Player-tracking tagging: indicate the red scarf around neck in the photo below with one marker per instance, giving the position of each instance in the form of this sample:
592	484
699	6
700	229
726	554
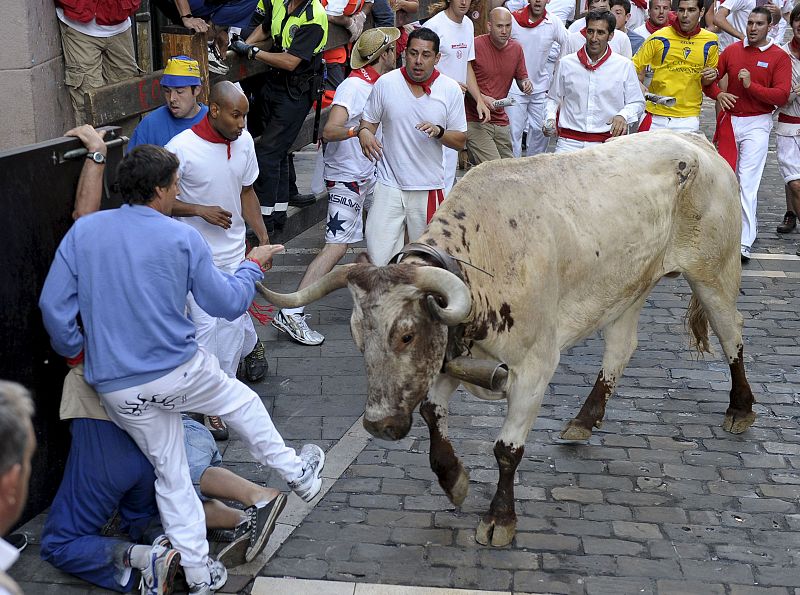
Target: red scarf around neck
583	58
640	3
652	27
426	84
523	17
367	73
206	131
676	26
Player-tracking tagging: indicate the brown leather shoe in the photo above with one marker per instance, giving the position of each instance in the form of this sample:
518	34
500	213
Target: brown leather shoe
789	223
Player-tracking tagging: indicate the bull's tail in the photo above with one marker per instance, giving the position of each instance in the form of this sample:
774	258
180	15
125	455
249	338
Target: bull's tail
697	321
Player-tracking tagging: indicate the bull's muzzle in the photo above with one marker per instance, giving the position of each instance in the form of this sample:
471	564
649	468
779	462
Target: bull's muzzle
393	427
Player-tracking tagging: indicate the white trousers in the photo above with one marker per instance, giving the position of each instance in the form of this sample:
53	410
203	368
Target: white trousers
752	139
788	148
688	124
151	414
527	113
393	210
450	162
567	145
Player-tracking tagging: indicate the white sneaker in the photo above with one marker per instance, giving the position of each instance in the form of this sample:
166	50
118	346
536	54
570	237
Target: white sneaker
159	575
216	61
296	327
745	250
308	485
219	576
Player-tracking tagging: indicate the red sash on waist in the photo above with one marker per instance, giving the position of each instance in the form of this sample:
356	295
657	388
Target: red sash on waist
646	123
787	119
435	198
587	137
725	139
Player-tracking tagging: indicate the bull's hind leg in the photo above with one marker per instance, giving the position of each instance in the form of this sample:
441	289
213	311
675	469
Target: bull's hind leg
451	474
719	307
620	338
525	396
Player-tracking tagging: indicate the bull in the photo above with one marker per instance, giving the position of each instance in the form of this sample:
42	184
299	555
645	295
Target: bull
526	258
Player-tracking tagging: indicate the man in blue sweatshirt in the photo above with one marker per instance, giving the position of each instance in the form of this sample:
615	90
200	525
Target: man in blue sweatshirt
126	272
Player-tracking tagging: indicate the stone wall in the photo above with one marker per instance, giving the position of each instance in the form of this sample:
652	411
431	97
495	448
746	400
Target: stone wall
36	102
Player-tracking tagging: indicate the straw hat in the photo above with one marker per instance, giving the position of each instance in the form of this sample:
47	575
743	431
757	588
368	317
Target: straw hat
371	43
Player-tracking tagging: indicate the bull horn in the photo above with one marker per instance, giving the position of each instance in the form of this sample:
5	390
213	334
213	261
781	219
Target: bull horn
336	279
454	291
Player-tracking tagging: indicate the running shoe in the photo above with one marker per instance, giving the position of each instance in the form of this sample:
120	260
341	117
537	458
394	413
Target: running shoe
262	522
216	62
159	575
296	327
308	485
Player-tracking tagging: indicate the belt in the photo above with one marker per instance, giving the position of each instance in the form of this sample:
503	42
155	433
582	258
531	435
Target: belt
787	119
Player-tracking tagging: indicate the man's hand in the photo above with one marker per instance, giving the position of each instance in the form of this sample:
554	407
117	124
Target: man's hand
264	254
215	216
356	25
91	138
433	129
526	86
775	11
243	49
194	23
549	128
484	111
489	101
726	101
618	126
370	145
708	76
744	76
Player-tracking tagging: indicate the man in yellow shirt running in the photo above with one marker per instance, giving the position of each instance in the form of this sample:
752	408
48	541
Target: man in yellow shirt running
683	57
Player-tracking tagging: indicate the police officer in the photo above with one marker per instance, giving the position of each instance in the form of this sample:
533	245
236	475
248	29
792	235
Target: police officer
299	30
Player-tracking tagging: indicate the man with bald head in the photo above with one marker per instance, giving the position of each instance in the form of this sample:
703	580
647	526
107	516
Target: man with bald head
499	62
217	169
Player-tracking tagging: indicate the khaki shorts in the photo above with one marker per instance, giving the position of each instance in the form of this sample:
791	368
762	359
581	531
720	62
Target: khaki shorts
487	142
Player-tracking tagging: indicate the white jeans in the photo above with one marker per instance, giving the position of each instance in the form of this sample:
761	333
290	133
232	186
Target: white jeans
527	113
151	414
567	145
752	139
393	210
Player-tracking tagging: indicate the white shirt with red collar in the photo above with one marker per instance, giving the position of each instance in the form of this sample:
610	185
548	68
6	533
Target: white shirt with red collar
619	44
456	44
587	96
536	42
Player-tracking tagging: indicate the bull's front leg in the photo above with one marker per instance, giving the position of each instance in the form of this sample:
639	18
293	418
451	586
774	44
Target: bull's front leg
499	524
451	474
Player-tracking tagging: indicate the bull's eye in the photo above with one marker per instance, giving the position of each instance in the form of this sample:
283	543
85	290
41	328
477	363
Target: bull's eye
407	338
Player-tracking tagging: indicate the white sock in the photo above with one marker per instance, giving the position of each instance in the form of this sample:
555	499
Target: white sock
287	311
140	556
197	575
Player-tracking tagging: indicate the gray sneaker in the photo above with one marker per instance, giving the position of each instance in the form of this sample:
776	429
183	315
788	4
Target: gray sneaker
308	485
296	327
159	576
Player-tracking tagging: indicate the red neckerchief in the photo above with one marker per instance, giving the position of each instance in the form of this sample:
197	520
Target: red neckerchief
652	27
426	84
676	26
368	73
583	58
206	131
640	3
523	17
795	47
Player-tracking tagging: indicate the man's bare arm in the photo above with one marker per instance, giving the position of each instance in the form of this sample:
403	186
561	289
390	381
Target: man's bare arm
251	212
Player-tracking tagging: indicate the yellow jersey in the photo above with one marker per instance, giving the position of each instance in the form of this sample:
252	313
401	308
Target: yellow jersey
676	62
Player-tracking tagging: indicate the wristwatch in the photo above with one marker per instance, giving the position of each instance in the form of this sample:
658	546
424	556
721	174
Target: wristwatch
97	157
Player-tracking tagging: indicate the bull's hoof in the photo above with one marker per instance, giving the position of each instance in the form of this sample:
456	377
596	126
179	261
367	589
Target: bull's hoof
499	535
575	431
737	421
458	493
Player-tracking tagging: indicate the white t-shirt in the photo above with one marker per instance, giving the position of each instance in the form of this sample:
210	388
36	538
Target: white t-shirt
536	44
412	160
589	99
563	9
638	17
619	44
739	11
456	43
208	177
344	161
92	28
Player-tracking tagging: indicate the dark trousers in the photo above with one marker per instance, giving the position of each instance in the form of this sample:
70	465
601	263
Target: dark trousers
282	113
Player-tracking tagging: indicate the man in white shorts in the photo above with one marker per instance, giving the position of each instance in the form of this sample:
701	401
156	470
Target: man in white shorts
457	46
787	130
218	167
595	91
349	175
420	112
536	31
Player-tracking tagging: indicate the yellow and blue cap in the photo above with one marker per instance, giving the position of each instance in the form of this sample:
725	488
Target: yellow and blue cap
181	71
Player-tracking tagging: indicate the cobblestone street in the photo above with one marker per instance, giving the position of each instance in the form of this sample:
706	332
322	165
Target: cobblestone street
661	500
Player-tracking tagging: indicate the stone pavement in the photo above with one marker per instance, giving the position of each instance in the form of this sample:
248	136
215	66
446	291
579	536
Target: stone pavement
660	500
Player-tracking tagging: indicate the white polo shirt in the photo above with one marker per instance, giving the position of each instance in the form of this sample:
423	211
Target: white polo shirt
208	177
536	43
587	100
344	161
456	43
411	159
